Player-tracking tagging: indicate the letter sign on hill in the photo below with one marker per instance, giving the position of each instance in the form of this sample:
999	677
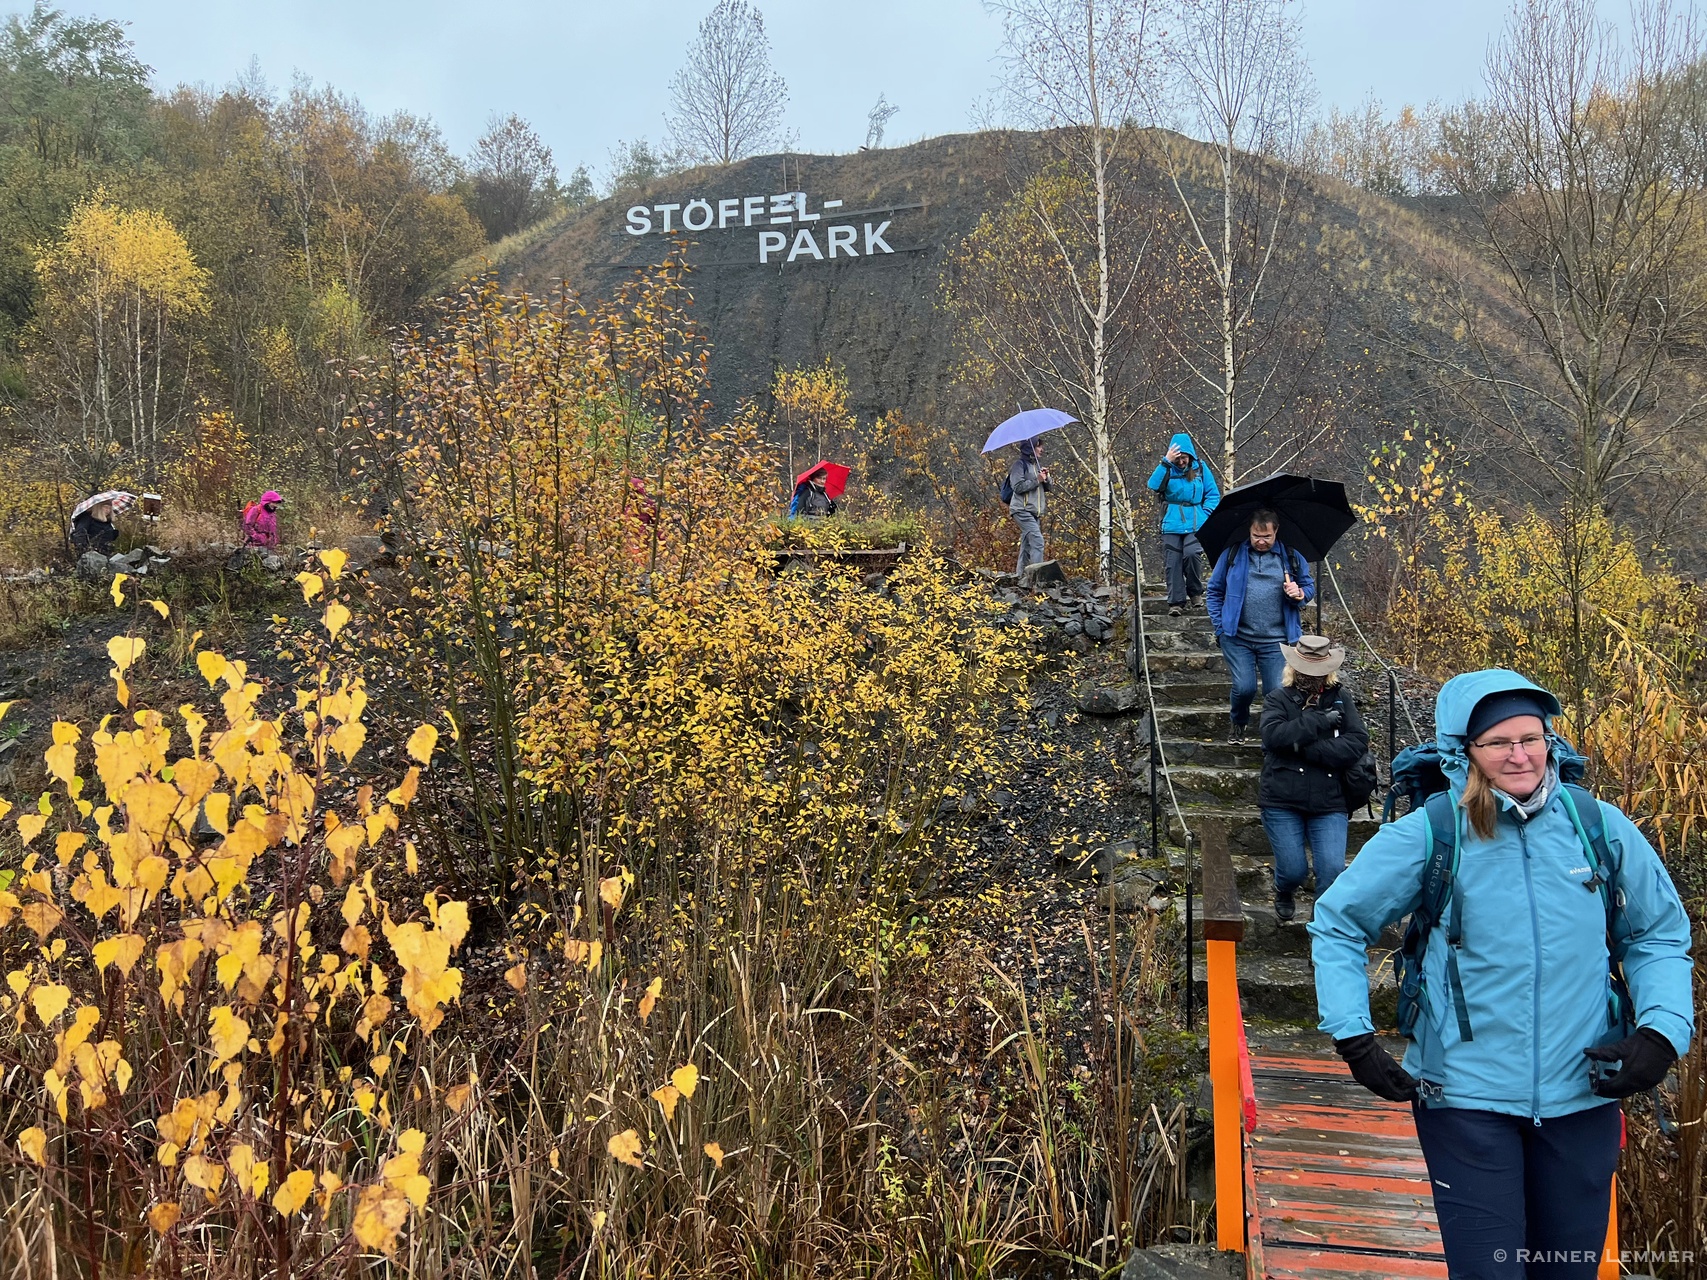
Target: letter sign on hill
788	229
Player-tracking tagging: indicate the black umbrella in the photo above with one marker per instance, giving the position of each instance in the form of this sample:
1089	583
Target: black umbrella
1313	513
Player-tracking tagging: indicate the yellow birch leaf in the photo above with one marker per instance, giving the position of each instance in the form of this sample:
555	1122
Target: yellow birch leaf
293	1192
119	579
666	1096
312	585
625	1146
411	860
30	825
228	1033
715	1153
123	949
33	1143
160	607
380	1214
422	742
164	1216
336	618
212	666
50	1001
121	690
517	976
649	1001
685	1078
125	650
456	1097
334	560
453	922
61	760
610	892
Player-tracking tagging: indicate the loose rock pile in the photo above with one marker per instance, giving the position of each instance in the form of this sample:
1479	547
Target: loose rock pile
138	562
1045	597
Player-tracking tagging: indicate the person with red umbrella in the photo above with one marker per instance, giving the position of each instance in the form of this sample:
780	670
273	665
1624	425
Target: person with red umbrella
816	490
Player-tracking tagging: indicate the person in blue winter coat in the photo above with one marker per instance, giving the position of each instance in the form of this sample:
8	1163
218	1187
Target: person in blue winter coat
1188	494
1521	1138
1255	599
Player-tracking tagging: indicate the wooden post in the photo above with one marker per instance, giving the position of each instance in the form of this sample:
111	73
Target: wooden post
1223	928
1609	1252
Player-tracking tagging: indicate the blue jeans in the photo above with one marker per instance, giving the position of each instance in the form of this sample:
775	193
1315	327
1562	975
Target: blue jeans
1506	1188
1288	830
1245	659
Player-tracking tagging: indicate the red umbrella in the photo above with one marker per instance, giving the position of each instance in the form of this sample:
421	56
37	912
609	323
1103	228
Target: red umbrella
835	477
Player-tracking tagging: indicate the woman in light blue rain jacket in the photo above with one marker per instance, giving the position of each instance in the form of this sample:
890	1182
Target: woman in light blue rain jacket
1521	1142
1188	493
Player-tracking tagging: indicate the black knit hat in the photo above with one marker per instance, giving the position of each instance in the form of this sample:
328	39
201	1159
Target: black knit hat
1498	707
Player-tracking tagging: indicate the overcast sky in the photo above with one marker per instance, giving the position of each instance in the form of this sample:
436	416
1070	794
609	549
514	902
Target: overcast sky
587	73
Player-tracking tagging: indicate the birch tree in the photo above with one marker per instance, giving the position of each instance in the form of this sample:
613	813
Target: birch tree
117	291
1238	81
726	102
1077	68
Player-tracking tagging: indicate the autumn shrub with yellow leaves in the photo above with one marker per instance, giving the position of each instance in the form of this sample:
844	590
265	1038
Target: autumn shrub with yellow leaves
713	803
205	1032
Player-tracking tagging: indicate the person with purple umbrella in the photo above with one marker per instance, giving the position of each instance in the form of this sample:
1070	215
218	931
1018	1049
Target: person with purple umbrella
1027	483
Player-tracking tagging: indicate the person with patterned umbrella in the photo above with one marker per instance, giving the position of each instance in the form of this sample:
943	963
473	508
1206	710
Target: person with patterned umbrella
92	527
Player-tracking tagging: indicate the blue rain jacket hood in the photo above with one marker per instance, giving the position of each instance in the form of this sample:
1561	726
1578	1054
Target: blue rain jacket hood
1188	501
1534	961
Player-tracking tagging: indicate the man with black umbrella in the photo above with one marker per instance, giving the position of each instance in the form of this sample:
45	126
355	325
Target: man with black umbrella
1255	599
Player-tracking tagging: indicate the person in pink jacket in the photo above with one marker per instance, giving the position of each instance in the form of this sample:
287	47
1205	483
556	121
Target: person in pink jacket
261	520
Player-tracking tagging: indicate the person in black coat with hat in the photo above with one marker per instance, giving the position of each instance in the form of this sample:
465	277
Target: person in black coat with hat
1311	735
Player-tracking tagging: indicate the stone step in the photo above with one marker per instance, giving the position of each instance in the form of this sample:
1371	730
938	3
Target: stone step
1204	720
1267	934
1246	836
1187	688
1171	634
1184	659
1193	751
1206	784
1157	606
1284	986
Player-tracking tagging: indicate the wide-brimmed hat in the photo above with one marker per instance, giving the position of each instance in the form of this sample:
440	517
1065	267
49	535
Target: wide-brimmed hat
1314	656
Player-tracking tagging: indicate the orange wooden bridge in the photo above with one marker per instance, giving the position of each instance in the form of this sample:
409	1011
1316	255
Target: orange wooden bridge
1330	1177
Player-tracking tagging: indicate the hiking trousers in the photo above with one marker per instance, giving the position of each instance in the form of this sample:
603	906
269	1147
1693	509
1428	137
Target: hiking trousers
1182	565
1289	830
1030	538
1519	1200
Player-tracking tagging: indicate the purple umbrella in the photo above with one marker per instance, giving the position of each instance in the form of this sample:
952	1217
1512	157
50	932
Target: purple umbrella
1026	426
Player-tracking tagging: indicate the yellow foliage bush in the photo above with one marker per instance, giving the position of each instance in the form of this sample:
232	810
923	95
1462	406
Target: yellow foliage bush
194	932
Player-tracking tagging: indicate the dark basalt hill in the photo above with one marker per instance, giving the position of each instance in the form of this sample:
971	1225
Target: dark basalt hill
1388	267
876	313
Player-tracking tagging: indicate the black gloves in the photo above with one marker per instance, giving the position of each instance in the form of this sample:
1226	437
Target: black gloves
1645	1058
1374	1069
1333	717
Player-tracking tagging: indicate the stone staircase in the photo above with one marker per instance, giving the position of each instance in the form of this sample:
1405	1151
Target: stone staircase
1215	779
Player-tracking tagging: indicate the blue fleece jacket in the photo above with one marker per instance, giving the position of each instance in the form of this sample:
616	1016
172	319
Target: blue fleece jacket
1533	960
1189	500
1224	597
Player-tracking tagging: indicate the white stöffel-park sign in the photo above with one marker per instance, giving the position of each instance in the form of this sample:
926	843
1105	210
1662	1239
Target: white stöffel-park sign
818	236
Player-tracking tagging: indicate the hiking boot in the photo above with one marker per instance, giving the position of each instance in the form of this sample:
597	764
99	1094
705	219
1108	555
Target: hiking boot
1235	734
1284	905
1174	610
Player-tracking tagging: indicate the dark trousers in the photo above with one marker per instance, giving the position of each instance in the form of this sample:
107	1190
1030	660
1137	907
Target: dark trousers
1182	564
1246	660
1517	1200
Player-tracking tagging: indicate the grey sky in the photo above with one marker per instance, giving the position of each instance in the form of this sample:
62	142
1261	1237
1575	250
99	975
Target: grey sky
587	73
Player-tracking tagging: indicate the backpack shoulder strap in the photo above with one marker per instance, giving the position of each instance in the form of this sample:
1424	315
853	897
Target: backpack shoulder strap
1440	890
1584	810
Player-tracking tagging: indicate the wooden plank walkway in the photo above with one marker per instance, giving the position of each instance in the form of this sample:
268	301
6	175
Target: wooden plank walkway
1335	1177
